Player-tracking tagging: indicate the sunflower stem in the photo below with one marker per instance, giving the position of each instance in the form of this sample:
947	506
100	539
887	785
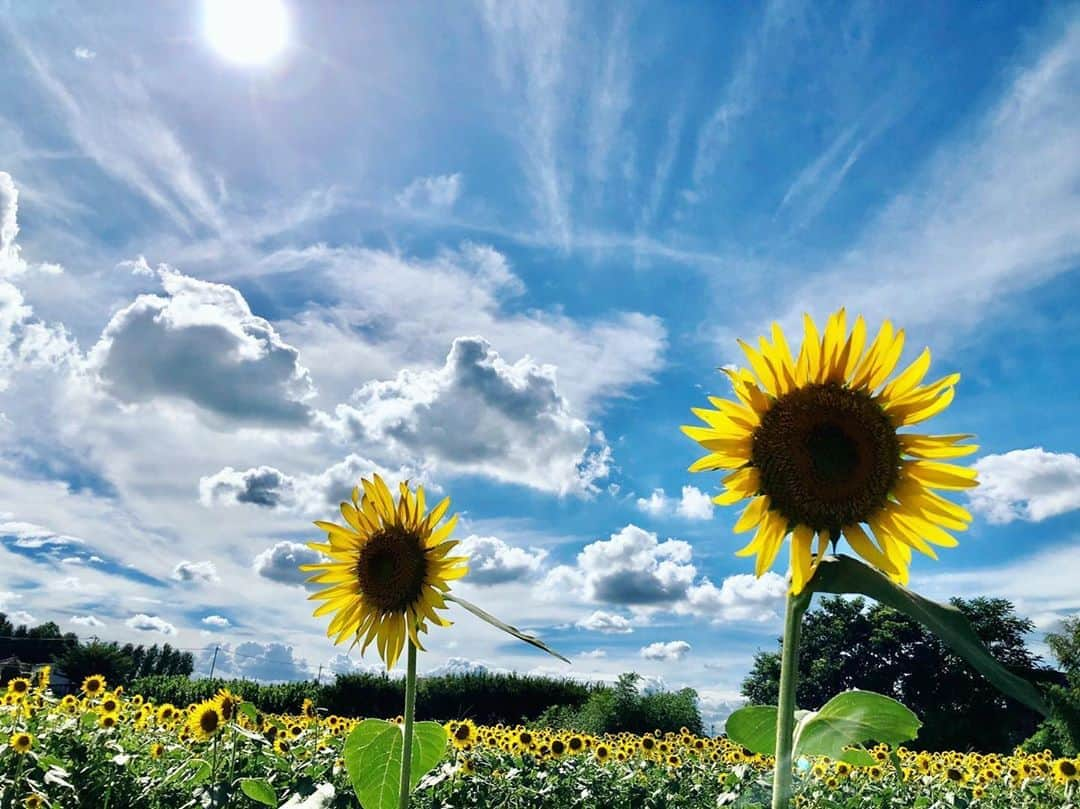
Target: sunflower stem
785	709
410	709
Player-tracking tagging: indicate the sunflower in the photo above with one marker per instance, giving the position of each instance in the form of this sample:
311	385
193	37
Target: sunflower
34	801
21	742
19	686
206	720
1066	771
157	750
388	568
93	685
227	703
813	443
166	712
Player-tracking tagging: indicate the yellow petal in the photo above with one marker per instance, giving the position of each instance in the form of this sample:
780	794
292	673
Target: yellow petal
862	545
909	378
752	514
801	559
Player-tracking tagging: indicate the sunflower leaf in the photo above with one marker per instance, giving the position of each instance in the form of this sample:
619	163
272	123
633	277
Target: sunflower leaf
532	640
754	727
372	756
842	574
851	718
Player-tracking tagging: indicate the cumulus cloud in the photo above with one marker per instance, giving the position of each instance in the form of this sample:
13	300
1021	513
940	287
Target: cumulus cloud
88	621
22	618
438	192
83	54
281	562
1027	484
479	414
669	651
217	621
492	561
199	572
201	343
150	623
741	597
266	662
459	666
632	567
607	622
693	504
269	487
594	654
10	261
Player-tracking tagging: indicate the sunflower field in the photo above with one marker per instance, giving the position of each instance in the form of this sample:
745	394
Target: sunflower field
105	749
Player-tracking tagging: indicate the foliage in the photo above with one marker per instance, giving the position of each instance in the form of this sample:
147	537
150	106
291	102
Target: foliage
30	645
1061	733
482	697
122	664
846	644
625	708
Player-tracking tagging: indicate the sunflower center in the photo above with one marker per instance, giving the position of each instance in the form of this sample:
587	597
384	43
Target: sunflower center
828	456
391	568
208	721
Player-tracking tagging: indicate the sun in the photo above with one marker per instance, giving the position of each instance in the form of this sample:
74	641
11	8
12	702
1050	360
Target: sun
247	32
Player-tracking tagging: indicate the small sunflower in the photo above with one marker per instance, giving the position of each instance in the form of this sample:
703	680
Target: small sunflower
1066	771
388	568
227	703
93	685
108	721
21	742
34	801
206	720
157	750
19	686
813	443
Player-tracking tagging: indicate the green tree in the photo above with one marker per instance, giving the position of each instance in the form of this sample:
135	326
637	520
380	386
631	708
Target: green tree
848	644
1061	732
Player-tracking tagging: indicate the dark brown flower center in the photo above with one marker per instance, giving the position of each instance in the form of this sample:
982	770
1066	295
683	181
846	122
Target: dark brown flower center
391	569
209	721
828	456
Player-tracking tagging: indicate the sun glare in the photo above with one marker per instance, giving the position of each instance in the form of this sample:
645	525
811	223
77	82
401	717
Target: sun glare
248	32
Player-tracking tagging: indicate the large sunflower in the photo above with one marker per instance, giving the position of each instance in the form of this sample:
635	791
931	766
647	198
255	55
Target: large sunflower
814	445
388	568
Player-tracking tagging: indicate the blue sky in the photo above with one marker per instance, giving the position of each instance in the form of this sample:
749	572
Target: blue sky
503	249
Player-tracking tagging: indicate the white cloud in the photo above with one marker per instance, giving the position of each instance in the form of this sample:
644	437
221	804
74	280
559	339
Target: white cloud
594	654
1027	484
22	617
217	621
742	597
11	262
655	504
150	623
458	666
492	561
670	651
200	343
631	568
694	504
83	54
993	213
266	662
281	562
437	192
269	487
200	572
607	622
90	621
479	414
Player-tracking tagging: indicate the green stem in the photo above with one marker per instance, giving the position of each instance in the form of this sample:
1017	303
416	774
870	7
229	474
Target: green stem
410	709
785	709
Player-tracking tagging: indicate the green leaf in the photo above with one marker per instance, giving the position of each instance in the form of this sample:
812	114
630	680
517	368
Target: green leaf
842	574
858	757
249	711
373	759
202	771
754	727
89	721
259	789
852	718
532	640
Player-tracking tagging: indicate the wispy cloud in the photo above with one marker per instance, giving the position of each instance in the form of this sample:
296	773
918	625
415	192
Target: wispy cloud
530	41
992	214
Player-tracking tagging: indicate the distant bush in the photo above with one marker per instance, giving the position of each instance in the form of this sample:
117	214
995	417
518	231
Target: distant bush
624	708
485	698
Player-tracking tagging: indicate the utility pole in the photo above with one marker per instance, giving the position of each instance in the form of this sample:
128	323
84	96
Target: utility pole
318	677
213	663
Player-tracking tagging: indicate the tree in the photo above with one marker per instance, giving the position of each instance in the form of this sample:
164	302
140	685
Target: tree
1061	732
846	644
